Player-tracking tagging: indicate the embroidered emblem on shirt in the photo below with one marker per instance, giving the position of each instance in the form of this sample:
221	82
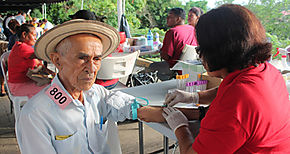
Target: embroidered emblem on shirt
58	96
62	137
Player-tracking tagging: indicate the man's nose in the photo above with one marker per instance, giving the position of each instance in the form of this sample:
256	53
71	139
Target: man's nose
91	66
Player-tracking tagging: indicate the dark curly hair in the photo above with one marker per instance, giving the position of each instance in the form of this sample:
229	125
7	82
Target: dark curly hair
23	28
179	12
197	11
231	37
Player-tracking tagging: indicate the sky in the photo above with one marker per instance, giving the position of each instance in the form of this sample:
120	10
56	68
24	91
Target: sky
211	3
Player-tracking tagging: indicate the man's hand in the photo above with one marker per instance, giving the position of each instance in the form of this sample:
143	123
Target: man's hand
174	118
179	96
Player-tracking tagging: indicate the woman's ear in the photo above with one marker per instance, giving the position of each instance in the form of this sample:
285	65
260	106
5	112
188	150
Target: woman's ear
23	35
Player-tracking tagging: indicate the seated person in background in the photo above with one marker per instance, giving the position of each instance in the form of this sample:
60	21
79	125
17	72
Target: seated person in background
20	60
88	15
71	115
193	15
245	116
174	41
47	25
21	17
13	26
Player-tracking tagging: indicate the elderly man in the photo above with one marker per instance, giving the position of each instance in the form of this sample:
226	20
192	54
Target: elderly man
71	114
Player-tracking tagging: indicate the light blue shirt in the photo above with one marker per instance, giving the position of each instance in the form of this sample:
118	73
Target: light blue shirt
44	128
20	18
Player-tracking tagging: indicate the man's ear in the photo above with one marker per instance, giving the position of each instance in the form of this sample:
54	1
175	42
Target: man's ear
55	59
178	20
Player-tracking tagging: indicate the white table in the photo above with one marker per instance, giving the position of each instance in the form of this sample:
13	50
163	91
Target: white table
155	93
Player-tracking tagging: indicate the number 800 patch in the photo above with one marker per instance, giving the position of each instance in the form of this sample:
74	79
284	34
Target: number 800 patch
58	96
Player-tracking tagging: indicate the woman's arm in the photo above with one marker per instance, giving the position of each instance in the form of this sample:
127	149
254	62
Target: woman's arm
207	96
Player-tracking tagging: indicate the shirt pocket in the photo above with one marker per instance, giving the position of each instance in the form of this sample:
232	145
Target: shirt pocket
100	137
68	143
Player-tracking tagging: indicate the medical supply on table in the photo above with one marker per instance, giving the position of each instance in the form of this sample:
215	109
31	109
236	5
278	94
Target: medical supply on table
201	85
193	68
196	86
136	105
284	56
181	81
150	39
157	44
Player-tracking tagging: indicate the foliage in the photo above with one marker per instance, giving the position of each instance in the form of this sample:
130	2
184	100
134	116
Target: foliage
200	4
154	13
270	14
145	14
277	43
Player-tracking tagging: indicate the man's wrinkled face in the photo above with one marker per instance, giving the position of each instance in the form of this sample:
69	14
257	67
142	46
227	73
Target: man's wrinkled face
79	61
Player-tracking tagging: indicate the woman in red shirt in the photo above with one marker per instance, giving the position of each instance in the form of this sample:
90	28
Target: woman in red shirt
20	60
249	111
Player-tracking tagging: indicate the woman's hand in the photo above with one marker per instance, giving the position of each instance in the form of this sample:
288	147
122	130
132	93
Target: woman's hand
179	96
150	114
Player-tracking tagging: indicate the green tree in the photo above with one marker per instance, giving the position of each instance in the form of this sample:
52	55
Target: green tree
154	12
200	4
270	14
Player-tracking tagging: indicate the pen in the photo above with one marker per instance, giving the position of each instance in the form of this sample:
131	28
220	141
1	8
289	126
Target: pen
101	123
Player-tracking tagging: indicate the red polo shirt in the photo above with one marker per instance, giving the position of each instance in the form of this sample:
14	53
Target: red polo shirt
175	40
250	114
19	62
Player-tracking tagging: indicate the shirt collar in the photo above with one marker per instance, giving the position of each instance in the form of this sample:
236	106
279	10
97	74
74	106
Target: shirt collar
89	92
249	70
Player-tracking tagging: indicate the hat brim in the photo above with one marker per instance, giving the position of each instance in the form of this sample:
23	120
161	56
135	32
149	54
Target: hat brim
47	43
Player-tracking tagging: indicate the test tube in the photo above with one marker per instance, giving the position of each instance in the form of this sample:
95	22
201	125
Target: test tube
192	87
204	85
197	86
182	86
178	81
187	86
184	78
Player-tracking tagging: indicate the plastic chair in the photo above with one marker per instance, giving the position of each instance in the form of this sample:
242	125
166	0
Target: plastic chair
118	65
15	100
188	53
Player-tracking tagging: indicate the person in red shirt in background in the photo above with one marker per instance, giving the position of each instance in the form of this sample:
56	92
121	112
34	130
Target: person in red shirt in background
249	111
174	41
88	15
193	15
20	60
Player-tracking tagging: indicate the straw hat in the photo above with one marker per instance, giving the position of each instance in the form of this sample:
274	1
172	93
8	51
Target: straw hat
49	40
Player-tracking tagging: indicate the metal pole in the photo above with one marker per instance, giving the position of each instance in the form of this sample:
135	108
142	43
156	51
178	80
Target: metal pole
120	12
123	6
45	10
82	6
42	11
165	144
141	144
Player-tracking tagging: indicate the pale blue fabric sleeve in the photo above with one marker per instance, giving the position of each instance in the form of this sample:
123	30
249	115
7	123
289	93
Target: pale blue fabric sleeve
116	105
32	135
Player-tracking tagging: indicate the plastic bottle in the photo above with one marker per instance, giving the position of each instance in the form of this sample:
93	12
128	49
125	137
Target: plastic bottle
283	53
150	39
157	38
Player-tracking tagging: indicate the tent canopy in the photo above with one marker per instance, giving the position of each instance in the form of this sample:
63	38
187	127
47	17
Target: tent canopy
23	4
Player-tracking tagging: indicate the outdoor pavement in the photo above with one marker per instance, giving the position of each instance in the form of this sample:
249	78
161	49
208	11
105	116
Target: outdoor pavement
128	132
